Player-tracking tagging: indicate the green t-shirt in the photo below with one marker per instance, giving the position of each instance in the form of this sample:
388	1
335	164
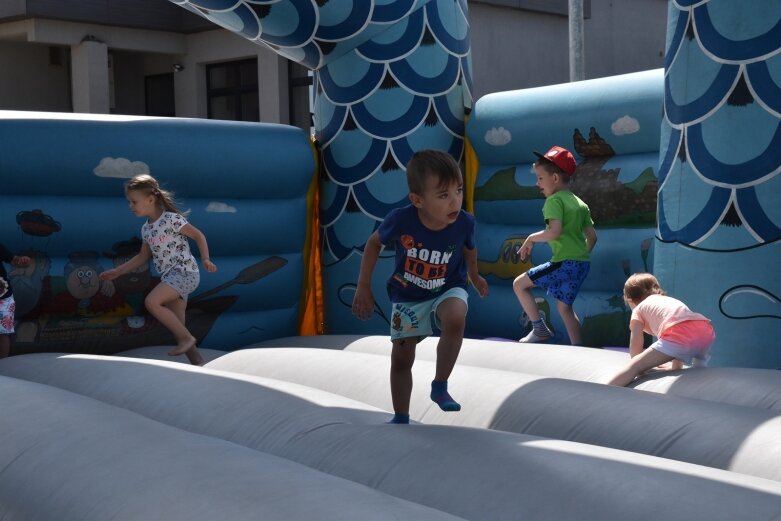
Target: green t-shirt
574	216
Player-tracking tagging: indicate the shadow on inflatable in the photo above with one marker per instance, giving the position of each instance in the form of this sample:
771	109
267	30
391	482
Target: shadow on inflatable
169	441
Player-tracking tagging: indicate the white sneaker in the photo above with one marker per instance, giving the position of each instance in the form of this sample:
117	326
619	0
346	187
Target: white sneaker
531	338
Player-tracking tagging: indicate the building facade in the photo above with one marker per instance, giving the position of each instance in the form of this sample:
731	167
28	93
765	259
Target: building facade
151	57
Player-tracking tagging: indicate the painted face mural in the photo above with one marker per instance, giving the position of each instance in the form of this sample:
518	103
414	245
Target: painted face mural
81	275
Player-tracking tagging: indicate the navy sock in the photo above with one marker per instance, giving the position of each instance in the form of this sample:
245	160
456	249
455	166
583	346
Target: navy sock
541	328
442	398
401	419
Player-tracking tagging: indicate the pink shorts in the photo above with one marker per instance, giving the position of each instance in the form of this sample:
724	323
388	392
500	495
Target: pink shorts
688	341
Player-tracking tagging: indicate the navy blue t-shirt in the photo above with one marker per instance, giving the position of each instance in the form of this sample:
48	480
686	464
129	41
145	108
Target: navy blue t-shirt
428	262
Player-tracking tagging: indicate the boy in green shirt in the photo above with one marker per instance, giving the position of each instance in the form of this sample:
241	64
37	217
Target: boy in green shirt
570	232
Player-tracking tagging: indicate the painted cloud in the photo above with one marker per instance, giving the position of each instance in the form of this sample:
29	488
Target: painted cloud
218	207
625	125
498	136
120	167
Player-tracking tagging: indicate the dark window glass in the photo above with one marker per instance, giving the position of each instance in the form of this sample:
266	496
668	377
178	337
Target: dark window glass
232	90
159	95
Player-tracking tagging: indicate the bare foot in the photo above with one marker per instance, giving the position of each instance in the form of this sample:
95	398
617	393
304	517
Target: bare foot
182	347
194	356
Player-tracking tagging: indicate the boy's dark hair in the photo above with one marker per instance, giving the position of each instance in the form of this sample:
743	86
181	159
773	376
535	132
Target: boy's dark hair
429	162
552	168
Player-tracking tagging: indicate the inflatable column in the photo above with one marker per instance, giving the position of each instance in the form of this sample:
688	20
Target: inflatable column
719	205
391	77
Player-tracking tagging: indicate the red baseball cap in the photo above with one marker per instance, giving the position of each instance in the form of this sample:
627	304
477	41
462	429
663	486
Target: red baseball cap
561	157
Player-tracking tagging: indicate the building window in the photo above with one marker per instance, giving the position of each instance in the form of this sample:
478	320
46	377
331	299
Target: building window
232	90
301	100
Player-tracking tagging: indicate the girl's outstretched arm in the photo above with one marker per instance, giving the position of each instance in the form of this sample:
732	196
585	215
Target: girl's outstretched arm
134	262
197	235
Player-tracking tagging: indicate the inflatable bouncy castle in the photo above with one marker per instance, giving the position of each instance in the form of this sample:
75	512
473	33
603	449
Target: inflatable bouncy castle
63	204
678	165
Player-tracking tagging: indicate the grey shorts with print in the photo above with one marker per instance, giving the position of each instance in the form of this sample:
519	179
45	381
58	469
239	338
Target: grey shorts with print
182	281
413	319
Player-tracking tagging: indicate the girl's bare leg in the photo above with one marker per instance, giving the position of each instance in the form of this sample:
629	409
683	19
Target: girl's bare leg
646	360
158	303
179	307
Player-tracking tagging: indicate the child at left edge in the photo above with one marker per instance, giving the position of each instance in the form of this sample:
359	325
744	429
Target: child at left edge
165	235
7	303
435	258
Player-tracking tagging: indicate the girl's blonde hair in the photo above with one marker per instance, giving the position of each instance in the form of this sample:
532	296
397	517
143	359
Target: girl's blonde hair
640	285
148	185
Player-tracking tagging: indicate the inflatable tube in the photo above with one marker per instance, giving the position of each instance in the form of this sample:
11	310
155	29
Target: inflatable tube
63	204
612	126
68	457
741	439
760	388
472	473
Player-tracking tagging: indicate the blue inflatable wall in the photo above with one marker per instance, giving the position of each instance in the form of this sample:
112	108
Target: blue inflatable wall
62	202
612	126
720	192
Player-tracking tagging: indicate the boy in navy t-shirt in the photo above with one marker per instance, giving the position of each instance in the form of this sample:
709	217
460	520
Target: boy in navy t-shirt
435	257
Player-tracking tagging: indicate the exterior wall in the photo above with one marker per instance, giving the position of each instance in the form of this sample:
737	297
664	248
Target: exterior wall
517	49
34	84
625	36
147	14
218	46
515	44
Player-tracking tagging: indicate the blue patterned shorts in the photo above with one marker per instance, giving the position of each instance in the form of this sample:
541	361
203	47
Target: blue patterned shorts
562	280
